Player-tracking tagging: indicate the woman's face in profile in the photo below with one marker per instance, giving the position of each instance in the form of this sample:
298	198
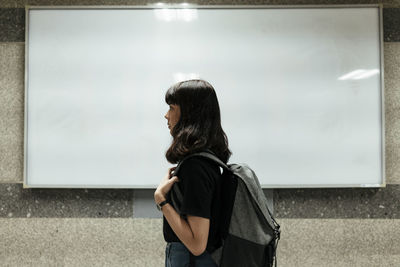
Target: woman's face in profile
173	115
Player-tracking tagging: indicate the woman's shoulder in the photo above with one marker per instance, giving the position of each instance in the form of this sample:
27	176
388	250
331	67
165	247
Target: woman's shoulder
199	160
201	164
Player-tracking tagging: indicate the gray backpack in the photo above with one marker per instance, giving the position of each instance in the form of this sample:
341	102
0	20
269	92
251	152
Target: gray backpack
249	234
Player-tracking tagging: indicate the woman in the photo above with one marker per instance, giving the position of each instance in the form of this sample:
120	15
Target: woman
195	124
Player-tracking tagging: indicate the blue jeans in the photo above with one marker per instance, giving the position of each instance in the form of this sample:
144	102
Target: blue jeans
177	255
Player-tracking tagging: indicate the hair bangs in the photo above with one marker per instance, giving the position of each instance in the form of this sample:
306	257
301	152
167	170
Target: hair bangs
170	95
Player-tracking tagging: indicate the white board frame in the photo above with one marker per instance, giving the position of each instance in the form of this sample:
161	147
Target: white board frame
26	183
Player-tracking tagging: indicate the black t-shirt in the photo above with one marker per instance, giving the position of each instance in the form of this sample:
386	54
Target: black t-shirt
200	183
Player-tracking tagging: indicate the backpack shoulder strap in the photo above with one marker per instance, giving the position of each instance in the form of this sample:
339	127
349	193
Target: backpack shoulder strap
205	154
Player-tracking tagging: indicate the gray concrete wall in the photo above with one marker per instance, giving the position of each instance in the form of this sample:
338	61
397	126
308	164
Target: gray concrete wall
121	227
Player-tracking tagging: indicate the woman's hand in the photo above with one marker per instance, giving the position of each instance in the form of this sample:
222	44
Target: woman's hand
165	185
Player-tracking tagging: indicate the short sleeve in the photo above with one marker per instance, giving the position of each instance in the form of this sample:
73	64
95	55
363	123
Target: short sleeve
197	188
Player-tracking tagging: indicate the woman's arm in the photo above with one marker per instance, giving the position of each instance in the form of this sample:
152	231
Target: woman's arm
193	233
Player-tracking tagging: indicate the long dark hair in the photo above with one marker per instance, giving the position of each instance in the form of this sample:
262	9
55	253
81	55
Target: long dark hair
199	126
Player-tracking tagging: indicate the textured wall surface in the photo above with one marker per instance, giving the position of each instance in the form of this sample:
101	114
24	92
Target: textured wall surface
121	227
